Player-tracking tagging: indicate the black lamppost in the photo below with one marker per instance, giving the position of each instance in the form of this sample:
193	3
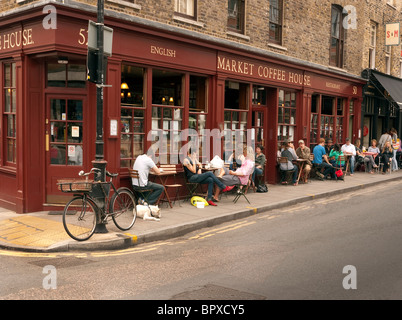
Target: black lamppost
99	161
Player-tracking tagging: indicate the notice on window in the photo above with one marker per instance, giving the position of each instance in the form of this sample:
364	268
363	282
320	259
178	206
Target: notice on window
75	132
71	151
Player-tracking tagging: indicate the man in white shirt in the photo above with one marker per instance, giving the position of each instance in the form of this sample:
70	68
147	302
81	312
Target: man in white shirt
143	164
349	149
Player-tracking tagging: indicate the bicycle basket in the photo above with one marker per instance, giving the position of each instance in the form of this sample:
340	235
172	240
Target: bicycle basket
74	185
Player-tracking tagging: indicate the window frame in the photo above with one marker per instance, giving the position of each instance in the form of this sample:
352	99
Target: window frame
241	21
186	15
339	37
291	107
372	44
278	24
6	114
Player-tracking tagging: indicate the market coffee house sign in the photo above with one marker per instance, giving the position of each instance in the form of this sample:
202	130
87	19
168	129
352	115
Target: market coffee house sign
261	71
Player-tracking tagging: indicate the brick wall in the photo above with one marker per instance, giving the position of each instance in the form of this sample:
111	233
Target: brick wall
306	26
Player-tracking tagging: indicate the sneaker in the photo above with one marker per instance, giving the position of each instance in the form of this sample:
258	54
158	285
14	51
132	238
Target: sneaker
229	188
211	203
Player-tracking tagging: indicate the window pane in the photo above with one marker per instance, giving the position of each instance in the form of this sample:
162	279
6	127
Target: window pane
236	14
184	6
10	126
132	86
57	109
56	75
58	132
167	88
198	94
7	75
74	110
77	74
335	21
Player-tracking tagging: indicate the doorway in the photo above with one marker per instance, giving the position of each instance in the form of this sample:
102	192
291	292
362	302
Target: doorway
66	141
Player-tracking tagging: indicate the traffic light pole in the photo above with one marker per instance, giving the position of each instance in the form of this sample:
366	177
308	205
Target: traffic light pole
99	162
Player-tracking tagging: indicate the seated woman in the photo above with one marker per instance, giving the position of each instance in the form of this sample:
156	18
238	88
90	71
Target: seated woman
240	176
386	156
369	159
334	155
192	168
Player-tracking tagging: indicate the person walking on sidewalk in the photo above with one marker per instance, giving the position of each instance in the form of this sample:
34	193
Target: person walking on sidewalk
192	168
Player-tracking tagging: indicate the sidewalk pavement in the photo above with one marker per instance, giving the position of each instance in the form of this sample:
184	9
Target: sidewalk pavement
43	231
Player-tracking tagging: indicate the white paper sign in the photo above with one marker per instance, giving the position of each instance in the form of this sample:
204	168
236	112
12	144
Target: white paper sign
75	132
71	151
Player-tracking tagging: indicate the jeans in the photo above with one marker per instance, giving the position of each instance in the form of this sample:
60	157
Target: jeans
207	178
352	161
153	196
256	172
328	169
295	171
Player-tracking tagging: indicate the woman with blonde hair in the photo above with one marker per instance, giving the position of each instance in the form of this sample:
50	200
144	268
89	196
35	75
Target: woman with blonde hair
386	156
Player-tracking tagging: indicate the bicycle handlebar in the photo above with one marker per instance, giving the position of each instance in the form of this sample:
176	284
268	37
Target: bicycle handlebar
83	174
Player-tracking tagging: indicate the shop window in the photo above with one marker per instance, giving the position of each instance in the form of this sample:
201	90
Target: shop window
259	96
336	51
9	114
186	8
167	115
340	107
236	112
275	21
66	121
351	117
286	115
315	104
66	75
198	109
132	114
327	118
236	15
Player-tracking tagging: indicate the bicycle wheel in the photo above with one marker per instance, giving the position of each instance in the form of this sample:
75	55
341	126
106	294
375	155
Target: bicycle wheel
79	218
122	205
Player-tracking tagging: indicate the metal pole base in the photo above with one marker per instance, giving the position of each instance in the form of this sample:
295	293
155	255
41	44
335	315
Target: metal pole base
101	228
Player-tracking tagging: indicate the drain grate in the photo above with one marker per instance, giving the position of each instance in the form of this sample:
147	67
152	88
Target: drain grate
214	292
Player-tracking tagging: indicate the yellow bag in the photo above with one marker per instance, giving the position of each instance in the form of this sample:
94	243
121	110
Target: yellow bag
196	199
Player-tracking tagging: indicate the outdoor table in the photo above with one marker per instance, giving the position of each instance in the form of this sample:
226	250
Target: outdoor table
300	163
163	177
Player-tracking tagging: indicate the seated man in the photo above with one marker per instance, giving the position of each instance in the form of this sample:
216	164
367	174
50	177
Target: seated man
349	149
193	173
290	154
143	164
321	160
303	152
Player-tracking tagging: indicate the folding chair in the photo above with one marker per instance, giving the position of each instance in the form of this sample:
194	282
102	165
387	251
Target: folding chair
288	172
241	191
192	188
139	191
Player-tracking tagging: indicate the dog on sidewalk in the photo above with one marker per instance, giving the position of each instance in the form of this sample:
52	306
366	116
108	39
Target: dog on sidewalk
149	212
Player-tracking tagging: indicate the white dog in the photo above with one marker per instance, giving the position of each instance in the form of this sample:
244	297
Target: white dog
149	212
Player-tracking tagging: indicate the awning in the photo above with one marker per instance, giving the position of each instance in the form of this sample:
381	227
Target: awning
392	85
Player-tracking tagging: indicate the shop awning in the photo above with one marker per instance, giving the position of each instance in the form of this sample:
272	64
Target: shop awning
392	85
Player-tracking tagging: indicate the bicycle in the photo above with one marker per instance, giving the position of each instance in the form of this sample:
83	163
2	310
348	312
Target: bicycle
82	213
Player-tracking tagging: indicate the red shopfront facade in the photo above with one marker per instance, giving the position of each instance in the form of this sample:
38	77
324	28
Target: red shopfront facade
162	82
